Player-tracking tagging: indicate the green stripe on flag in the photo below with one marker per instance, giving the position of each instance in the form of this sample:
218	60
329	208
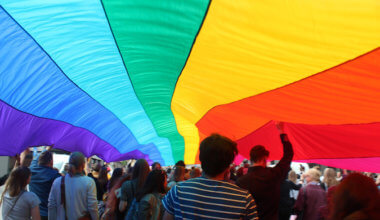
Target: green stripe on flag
155	38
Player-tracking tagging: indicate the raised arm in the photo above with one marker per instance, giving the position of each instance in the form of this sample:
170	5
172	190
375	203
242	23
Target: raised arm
283	166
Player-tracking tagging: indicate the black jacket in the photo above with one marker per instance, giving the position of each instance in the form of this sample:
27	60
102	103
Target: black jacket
286	202
264	183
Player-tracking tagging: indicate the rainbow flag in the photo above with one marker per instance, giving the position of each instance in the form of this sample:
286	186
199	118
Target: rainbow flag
150	79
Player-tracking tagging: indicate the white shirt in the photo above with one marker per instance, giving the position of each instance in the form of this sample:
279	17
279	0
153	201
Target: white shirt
80	198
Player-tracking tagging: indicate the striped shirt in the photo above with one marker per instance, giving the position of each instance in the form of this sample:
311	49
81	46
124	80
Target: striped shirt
203	198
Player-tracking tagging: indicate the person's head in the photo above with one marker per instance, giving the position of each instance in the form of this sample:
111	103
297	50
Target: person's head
117	172
194	173
46	159
140	172
292	176
338	174
116	175
156	166
28	160
216	153
312	175
17	181
180	163
187	174
155	183
329	177
96	167
259	155
66	169
77	163
356	194
179	173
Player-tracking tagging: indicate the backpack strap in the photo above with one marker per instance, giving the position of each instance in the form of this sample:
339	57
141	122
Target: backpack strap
14	204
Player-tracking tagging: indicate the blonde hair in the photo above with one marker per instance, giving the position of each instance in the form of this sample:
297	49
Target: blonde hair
329	177
314	174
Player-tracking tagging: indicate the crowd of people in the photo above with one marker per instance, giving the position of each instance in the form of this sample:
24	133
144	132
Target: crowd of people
218	190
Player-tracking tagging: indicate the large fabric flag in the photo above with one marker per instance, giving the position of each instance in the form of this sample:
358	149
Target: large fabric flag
150	79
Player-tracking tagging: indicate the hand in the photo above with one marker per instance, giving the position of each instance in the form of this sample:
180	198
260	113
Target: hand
23	156
280	126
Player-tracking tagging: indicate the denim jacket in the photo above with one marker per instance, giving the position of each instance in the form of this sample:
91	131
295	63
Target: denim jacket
150	207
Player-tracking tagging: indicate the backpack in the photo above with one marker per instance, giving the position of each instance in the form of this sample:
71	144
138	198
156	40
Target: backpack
133	211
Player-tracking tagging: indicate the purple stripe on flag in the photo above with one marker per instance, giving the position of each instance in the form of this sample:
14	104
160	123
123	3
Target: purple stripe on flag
19	130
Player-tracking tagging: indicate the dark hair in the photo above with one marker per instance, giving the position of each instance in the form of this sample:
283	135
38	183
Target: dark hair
112	200
103	176
180	163
258	153
117	173
154	184
216	153
45	158
179	172
154	164
140	172
356	193
16	182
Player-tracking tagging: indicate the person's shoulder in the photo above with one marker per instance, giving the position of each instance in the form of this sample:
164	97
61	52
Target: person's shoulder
192	181
273	172
124	185
235	189
56	184
57	180
195	182
316	187
54	174
222	185
129	184
88	179
30	196
245	179
171	184
148	197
